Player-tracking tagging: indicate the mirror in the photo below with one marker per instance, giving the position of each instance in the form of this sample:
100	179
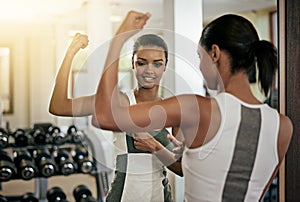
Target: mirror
5	81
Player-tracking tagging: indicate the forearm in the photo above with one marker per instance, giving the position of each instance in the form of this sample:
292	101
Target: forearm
59	102
106	96
168	159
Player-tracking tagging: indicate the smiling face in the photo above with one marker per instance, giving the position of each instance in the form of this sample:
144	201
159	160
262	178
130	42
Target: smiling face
149	64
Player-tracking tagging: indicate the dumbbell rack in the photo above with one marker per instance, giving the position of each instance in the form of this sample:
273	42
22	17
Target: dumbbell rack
41	181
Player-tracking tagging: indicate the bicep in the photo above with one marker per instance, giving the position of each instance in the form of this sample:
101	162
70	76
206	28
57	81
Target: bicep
170	112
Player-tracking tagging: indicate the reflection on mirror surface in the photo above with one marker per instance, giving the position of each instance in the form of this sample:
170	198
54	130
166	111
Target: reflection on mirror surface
5	94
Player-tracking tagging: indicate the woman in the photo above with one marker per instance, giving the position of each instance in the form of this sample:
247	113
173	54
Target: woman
138	173
234	143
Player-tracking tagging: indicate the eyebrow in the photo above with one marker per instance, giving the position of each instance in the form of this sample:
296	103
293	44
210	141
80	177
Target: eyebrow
157	60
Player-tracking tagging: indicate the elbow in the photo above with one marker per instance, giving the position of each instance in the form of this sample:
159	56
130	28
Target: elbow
103	117
52	110
180	174
60	108
56	111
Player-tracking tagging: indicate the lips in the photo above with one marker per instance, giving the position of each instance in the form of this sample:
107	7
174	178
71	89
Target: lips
149	79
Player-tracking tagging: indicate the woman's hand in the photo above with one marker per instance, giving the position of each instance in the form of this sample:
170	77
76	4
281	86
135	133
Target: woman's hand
133	22
178	146
145	141
79	41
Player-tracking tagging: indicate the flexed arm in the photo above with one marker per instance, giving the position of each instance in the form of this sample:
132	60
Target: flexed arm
110	114
60	104
107	96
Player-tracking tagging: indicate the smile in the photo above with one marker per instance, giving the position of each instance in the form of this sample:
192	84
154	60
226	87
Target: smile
149	79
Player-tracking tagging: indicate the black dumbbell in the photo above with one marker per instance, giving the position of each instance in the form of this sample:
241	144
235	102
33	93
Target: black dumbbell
25	164
44	162
56	194
66	167
74	135
7	167
4	138
40	137
81	157
22	138
57	136
29	197
82	194
3	199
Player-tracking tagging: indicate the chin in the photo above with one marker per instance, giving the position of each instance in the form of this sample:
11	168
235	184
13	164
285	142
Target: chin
148	85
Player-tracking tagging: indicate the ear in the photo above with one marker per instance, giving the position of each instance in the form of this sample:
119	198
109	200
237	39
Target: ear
215	53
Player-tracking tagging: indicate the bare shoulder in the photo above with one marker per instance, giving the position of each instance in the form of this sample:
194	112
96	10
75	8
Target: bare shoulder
286	126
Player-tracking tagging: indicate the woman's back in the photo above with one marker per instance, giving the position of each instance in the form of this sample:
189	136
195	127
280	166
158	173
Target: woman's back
237	163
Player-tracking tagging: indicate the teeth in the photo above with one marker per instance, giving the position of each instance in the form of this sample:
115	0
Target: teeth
148	78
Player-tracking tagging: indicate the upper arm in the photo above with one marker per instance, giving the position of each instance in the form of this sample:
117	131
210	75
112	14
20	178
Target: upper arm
284	136
81	106
175	111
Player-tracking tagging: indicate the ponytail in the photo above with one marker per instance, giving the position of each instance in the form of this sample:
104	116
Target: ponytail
266	59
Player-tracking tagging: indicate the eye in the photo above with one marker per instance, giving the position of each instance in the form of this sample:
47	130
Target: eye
157	64
141	63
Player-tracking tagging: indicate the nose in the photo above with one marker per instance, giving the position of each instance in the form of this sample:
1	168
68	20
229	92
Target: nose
150	68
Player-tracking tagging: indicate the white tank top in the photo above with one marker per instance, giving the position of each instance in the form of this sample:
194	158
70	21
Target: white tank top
139	176
238	162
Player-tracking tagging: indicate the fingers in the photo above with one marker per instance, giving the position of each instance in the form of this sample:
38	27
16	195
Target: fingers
80	41
140	18
141	135
174	140
133	22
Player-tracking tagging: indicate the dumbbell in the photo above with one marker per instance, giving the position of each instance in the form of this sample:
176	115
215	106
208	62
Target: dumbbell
82	194
44	162
57	136
40	137
66	167
81	157
4	138
22	138
7	167
3	199
25	164
29	197
56	194
74	135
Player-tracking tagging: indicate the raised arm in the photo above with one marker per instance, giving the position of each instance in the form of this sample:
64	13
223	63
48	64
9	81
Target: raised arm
60	103
109	114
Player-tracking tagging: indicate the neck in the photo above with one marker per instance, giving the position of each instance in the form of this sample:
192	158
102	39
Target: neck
146	94
239	86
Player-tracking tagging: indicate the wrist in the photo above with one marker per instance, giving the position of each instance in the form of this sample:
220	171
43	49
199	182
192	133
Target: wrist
157	148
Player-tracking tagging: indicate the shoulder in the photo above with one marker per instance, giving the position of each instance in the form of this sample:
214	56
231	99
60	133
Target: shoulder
286	126
194	103
197	106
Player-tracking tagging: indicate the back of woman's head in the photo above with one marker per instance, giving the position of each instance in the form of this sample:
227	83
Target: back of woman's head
150	40
238	37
